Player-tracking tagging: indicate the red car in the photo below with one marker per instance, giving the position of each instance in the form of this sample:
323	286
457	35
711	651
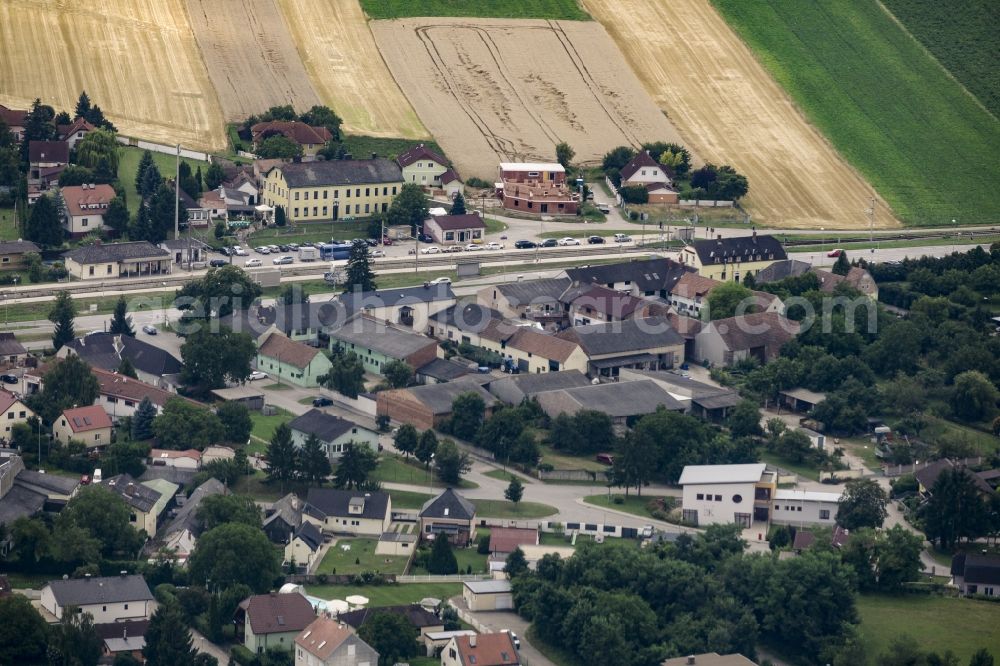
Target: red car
386	240
835	253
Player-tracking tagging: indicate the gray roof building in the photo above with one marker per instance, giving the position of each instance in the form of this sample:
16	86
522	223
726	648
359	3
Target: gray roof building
646	276
185	518
467	316
534	291
135	494
449	504
18	247
515	388
115	252
439	397
53	483
780	270
106	351
624	337
310	535
326	427
387	340
618	400
356	301
105	590
323	502
739	248
444	370
340	172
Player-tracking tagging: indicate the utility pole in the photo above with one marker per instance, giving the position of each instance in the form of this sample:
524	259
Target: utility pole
870	212
177	195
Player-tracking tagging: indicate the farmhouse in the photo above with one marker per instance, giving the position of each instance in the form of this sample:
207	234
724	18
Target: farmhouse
732	258
528	299
114	260
407	306
757	335
348	512
332	190
85	206
449	515
455	229
107	599
650	343
429	405
272	620
536	188
377	344
333	433
293	361
423	166
12	254
106	351
327	642
312	139
90	425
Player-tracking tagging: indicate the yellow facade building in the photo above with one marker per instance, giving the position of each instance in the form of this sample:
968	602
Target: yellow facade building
732	258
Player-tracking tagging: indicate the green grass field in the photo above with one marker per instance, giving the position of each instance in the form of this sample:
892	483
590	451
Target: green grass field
362	147
8	230
405	499
544	9
466	557
882	101
396	470
935	623
632	504
264	427
505	509
361	557
388	595
128	165
309	233
963	36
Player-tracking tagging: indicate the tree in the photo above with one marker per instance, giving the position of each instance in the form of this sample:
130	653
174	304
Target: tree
516	564
728	300
974	397
82	105
214	176
744	420
168	640
38	126
125	457
219	293
458	205
897	558
44	225
356	463
216	510
293	294
232	554
514	491
70	383
842	266
397	373
74	640
98	151
346	374
467	412
955	510
360	276
76	175
635	462
863	504
564	154
236	421
587	431
185	425
391	635
617	158
104	516
314	465
278	147
409	207
190	183
145	162
212	359
280	456
162	211
441	561
323	116
142	421
280	219
126	369
116	216
426	447
62	314
406	438
23	632
982	657
121	323
450	463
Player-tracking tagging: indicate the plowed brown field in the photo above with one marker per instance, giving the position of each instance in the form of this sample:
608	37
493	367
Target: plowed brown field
493	90
250	56
340	55
729	110
137	59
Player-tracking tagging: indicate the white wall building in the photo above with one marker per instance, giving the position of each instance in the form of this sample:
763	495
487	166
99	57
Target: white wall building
107	599
804	507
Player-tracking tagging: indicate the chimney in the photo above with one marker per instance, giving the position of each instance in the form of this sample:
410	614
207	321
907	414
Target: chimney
472	640
691	659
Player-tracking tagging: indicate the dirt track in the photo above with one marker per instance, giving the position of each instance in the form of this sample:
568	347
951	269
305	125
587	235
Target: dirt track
250	56
495	90
146	73
340	55
728	109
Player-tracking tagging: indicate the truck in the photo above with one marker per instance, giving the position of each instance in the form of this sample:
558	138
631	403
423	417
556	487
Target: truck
308	254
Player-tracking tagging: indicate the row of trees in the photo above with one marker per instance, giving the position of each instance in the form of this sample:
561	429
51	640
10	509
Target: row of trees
450	462
707	182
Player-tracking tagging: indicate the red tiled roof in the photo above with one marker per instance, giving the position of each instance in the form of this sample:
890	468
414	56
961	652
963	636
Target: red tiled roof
87	199
448	176
160	454
13	117
490	650
120	386
692	285
80	124
420	152
292	129
322	637
278	613
6	400
286	350
540	344
506	539
455	222
83	419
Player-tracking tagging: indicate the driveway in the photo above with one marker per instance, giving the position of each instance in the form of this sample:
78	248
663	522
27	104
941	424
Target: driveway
495	621
206	646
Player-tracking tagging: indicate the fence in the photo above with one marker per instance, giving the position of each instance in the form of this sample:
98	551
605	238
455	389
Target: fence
705	203
570	475
900	470
162	148
842	474
456	578
243	153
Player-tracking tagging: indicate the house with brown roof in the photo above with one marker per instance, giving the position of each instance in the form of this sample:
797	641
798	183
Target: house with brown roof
311	138
690	295
292	361
189	459
85	206
12	254
46	160
455	229
597	304
273	620
643	171
423	166
12	352
504	540
480	650
90	425
73	133
14	119
451	184
429	405
530	350
12	412
857	278
758	335
327	642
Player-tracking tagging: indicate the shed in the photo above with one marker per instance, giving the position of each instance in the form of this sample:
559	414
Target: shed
488	595
801	399
250	397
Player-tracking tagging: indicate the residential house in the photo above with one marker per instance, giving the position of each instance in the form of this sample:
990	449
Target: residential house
333	433
120	395
127	637
732	258
450	184
90	425
515	389
351	512
442	370
623	402
712	403
304	546
377	343
246	184
423	166
455	229
107	598
661	193
12	411
643	171
237	202
311	138
292	361
102	261
481	650
417	616
283	518
710	659
327	642
409	307
975	573
759	335
596	304
12	254
857	278
213	205
144	502
805	538
804	507
529	350
303	322
14	119
179	535
527	299
928	475
779	270
428	406
106	351
46	160
188	459
272	620
714	494
641	277
84	208
449	515
470	323
75	132
690	294
332	190
650	343
182	249
24	493
536	188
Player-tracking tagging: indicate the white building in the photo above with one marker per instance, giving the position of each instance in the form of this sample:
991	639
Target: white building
107	599
804	507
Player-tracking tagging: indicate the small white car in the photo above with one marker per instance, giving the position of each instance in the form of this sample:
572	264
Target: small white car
376	253
252	263
440	280
287	259
472	247
493	245
569	241
433	249
239	251
257	374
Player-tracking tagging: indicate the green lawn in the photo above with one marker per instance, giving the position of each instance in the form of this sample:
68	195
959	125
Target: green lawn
883	102
798	468
361	557
936	428
935	623
466	557
264	427
255	486
310	233
884	245
394	469
561	460
505	509
128	165
504	476
405	499
388	595
493	226
545	9
36	311
362	147
632	504
8	231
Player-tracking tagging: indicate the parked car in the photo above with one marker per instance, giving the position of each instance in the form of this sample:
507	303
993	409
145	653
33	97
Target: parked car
424	238
287	259
225	251
252	263
550	242
217	263
472	247
493	245
595	240
440	280
623	238
257	374
452	248
386	240
284	248
376	253
239	251
149	329
295	246
604	208
322	401
10	379
835	253
525	244
433	249
568	241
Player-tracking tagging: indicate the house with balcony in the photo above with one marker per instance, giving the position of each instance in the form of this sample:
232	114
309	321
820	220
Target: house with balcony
536	189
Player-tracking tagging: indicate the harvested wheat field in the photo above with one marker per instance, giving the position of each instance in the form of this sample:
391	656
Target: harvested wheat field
250	56
340	55
729	110
493	90
145	73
